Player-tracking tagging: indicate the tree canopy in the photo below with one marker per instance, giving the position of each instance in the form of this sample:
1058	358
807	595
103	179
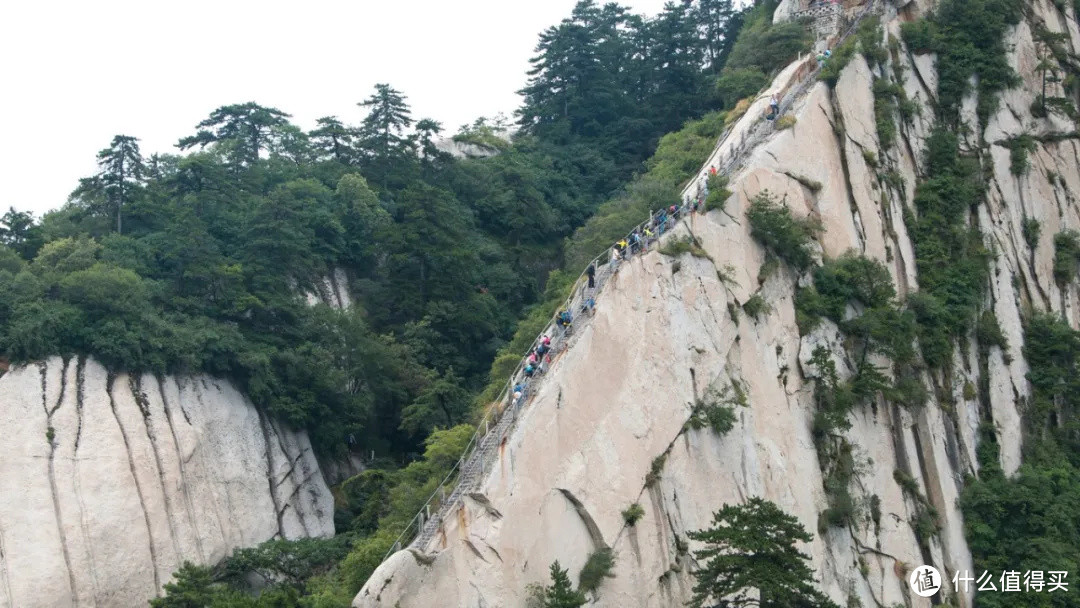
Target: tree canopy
750	559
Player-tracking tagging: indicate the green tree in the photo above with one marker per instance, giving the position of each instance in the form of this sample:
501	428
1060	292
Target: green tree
431	255
750	559
382	138
734	85
718	23
1047	67
574	81
442	403
192	587
678	89
561	593
289	144
290	562
332	139
786	236
245	128
118	180
17	231
765	45
362	218
427	130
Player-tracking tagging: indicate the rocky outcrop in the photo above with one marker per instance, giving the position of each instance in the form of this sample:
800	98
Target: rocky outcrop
668	330
785	10
108	483
332	290
464	149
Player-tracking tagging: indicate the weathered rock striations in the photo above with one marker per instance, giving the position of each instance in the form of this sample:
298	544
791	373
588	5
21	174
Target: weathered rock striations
664	333
108	483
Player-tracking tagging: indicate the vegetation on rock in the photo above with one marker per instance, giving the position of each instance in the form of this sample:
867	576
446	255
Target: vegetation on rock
632	514
782	234
750	559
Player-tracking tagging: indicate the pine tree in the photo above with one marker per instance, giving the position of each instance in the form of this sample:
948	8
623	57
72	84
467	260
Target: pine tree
426	132
1045	44
383	142
561	594
718	24
192	587
18	232
751	560
117	182
675	59
246	128
333	139
382	132
578	81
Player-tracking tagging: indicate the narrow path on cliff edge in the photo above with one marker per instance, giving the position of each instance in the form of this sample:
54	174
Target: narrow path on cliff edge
499	420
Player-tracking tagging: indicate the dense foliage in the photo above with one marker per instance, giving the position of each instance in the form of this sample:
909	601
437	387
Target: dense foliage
560	594
952	260
750	559
1030	521
610	84
969	38
782	234
217	247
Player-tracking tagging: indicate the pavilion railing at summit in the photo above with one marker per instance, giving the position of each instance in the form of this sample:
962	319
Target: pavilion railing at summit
437	501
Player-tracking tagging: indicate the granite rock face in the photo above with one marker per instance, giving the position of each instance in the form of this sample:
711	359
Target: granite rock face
108	483
668	330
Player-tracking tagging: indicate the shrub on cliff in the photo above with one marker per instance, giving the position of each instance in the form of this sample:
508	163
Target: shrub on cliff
787	237
718	193
598	567
1066	256
560	594
632	514
734	85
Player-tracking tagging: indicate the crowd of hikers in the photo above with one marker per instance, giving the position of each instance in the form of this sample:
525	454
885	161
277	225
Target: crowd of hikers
640	240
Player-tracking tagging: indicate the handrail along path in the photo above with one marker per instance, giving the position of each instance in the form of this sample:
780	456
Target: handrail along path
498	420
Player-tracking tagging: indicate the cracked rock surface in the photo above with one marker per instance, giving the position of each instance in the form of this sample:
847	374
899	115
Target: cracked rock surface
108	483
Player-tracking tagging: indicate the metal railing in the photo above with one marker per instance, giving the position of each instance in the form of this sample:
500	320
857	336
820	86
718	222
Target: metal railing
761	130
497	422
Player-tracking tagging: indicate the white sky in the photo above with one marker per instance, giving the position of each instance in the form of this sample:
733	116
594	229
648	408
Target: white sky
75	73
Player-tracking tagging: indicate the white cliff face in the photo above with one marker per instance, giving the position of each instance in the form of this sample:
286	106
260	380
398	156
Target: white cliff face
785	10
109	483
664	334
332	290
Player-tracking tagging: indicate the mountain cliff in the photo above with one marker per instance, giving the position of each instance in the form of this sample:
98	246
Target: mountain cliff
110	482
608	425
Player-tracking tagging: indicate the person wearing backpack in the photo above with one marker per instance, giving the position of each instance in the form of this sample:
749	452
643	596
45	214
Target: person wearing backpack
565	319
